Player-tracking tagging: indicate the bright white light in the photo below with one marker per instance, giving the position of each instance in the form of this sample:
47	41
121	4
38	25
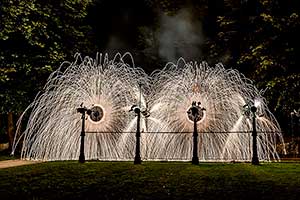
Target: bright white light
257	103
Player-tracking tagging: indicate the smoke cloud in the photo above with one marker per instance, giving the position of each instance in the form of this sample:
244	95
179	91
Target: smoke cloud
180	36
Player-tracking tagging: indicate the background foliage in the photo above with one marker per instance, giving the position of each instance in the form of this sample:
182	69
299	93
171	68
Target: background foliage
258	37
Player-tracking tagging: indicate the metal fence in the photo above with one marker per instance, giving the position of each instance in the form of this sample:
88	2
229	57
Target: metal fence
173	146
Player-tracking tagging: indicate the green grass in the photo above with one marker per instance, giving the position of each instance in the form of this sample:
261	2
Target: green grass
151	180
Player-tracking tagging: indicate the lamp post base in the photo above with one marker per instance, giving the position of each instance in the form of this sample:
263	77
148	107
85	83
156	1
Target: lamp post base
137	160
255	161
81	159
195	161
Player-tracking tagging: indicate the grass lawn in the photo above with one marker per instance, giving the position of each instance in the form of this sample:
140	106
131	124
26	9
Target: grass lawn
151	180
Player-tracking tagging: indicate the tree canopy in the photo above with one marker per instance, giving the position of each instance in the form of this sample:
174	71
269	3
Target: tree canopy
264	47
258	37
35	37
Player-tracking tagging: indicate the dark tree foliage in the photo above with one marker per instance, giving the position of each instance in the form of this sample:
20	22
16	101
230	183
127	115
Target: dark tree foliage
264	46
35	37
258	37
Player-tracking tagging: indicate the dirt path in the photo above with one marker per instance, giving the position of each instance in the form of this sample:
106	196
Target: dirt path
15	163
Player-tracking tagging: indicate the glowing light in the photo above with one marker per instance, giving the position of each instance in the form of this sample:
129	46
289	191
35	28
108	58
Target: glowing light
257	103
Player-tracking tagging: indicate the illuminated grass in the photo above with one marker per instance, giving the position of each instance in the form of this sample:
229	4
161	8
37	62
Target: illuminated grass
151	180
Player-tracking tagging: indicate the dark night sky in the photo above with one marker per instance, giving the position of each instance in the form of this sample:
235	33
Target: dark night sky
120	19
116	26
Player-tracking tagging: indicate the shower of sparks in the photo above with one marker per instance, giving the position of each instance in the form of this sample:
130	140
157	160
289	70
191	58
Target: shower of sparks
111	87
223	93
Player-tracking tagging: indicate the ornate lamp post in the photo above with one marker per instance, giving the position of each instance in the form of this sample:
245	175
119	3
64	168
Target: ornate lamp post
195	114
195	158
137	158
255	160
253	110
83	111
96	114
138	112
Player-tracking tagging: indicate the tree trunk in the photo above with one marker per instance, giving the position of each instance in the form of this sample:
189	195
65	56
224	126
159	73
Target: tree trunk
10	129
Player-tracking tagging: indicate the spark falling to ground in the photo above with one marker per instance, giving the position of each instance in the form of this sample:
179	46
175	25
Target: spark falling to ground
111	87
224	128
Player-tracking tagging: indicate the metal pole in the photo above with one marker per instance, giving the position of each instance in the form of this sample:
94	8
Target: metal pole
255	160
81	156
292	126
195	159
140	98
137	158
